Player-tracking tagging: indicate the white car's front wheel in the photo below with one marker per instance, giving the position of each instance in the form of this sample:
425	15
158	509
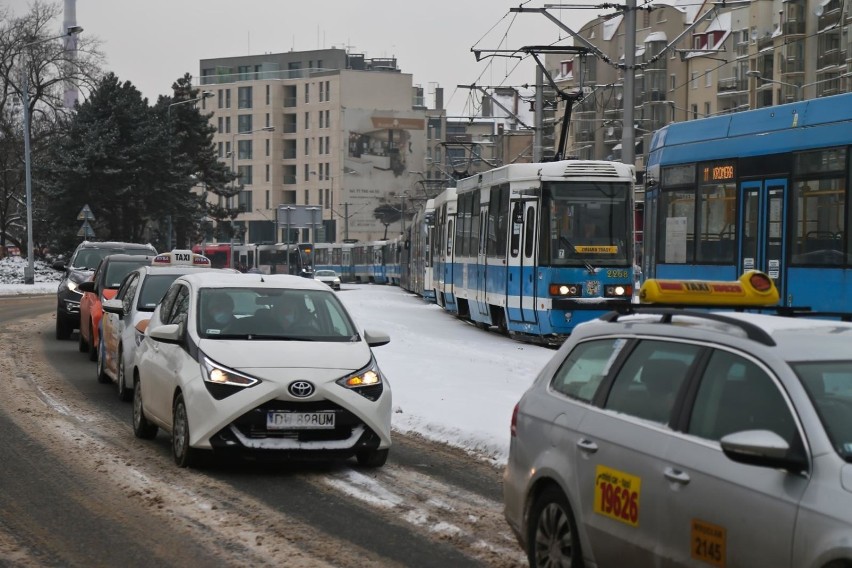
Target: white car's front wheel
184	455
141	427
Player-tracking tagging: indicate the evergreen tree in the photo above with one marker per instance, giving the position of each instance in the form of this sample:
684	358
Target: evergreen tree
194	168
111	157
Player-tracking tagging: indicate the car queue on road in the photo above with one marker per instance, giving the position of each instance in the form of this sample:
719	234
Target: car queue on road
678	432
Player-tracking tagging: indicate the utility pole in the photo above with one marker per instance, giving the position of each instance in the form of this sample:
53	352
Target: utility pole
628	136
538	133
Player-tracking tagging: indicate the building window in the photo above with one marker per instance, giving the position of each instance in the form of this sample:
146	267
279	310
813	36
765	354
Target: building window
243	71
220	150
672	82
244	149
319	194
327	170
327	202
220	98
307	92
321	146
706	109
693	82
307	121
307	172
328	90
321	91
307	197
244	95
328	145
268	94
321	119
708	78
227	125
228	149
221	123
244	123
268	120
267	146
694	112
245	175
245	200
267	191
328	119
307	146
227	98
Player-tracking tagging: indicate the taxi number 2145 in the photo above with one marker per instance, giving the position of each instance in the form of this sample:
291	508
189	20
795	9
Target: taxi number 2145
617	495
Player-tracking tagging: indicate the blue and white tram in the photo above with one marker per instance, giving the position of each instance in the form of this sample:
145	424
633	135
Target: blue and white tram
442	249
369	262
337	257
417	256
539	248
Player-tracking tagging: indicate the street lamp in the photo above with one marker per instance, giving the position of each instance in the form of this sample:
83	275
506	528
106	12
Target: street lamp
29	271
234	150
204	95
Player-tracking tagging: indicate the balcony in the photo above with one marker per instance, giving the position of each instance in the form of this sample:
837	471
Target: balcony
793	64
765	42
793	28
831	58
731	84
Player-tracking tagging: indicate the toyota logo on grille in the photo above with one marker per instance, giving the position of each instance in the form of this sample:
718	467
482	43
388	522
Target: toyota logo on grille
301	389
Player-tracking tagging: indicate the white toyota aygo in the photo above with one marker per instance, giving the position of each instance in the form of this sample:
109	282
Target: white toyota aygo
260	365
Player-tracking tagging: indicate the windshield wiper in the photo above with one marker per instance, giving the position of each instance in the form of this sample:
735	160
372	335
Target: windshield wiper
589	267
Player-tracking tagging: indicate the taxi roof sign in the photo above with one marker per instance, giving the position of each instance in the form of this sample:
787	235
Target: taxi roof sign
753	288
180	258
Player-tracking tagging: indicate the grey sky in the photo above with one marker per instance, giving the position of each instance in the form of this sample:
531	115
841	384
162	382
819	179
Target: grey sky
153	42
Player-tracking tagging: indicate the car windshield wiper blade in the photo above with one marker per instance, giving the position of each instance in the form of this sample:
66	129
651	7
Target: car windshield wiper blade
589	267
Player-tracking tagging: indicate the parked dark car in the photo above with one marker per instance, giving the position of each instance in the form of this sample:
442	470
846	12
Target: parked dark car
83	262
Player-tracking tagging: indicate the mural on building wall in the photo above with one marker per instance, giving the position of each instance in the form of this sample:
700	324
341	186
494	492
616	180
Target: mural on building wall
384	147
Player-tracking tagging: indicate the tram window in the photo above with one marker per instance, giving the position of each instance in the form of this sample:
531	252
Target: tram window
498	217
529	236
819	233
517	224
474	223
716	226
677	227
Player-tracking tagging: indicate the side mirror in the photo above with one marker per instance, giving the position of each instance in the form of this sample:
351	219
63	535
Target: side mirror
169	333
87	286
762	448
114	307
376	338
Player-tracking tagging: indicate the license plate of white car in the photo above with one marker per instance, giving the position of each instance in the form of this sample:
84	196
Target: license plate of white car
281	420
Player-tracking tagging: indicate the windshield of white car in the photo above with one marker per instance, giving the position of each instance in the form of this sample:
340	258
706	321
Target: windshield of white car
272	313
329	273
829	384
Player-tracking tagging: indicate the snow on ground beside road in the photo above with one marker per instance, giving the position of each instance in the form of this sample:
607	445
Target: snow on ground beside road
12	277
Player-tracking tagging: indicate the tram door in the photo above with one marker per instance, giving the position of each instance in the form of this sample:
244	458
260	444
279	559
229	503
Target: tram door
521	288
762	227
482	263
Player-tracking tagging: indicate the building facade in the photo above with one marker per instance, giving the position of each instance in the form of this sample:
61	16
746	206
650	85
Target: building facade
735	58
321	129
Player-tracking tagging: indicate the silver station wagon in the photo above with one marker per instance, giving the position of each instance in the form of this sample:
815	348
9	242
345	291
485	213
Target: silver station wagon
679	437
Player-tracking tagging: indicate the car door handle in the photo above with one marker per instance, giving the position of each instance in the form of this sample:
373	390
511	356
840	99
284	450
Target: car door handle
587	446
676	475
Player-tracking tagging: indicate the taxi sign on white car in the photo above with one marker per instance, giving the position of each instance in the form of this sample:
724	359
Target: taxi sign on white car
180	257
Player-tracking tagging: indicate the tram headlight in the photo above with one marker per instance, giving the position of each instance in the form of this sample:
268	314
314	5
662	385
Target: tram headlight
566	290
618	291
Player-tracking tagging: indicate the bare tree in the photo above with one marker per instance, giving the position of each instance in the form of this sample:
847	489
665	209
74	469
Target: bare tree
29	56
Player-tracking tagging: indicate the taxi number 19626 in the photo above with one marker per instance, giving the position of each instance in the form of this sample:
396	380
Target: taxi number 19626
279	420
617	495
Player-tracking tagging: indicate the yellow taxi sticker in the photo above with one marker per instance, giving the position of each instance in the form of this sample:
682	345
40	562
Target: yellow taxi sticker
708	543
592	249
617	495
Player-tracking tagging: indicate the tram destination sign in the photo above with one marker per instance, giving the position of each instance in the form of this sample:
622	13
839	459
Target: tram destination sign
718	171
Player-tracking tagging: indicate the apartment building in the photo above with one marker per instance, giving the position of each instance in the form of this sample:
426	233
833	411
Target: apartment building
326	130
743	56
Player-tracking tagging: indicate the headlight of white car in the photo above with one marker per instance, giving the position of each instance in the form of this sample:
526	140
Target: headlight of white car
221	381
367	382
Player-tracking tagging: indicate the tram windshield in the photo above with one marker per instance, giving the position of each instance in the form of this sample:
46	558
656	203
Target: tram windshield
588	223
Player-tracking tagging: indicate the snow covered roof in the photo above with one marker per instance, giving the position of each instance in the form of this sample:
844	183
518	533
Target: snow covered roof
610	27
656	36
